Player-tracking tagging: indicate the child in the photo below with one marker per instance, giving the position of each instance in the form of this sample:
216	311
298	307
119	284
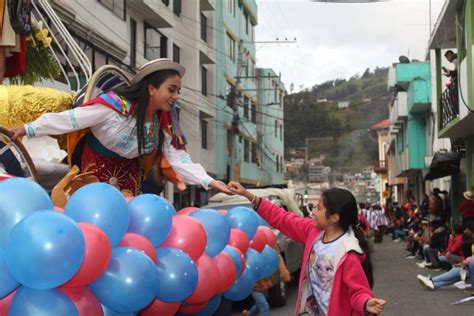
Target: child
332	280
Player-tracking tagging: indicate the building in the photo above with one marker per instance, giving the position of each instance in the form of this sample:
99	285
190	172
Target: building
379	133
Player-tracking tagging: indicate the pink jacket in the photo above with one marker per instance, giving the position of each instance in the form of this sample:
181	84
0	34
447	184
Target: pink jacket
351	289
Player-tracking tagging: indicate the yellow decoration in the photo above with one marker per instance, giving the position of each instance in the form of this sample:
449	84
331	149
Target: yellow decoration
23	104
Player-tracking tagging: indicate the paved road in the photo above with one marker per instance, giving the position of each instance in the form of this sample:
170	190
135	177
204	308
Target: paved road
396	282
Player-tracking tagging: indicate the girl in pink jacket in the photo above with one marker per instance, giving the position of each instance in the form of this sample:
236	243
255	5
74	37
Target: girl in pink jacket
336	275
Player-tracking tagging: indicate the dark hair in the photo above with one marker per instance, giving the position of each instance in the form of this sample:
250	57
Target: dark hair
138	93
342	202
448	52
458	229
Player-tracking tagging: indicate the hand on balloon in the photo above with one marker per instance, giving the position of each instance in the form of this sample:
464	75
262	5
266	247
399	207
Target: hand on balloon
237	188
375	305
221	186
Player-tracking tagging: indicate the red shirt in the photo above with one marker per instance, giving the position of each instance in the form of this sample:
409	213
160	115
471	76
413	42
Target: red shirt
466	208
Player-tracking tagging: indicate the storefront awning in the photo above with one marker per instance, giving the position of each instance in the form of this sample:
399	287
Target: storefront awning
443	165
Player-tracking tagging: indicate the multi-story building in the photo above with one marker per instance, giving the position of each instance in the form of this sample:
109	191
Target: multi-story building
379	133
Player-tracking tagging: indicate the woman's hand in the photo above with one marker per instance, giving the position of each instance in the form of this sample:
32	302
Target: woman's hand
375	305
220	186
237	188
18	131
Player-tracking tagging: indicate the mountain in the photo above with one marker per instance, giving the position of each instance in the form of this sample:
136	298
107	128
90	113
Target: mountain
338	113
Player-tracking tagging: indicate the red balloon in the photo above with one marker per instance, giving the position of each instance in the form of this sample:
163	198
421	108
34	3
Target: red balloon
271	238
139	242
239	239
5	303
85	301
187	234
208	280
227	271
192	308
59	209
96	259
187	210
160	308
259	241
242	259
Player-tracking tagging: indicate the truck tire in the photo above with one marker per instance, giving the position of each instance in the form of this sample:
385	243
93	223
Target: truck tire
277	294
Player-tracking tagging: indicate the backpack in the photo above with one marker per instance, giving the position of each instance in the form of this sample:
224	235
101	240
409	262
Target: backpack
20	16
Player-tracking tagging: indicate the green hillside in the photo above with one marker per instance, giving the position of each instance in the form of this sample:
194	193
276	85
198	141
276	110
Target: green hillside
314	113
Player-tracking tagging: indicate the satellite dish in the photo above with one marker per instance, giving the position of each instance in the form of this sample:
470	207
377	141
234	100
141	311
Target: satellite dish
403	59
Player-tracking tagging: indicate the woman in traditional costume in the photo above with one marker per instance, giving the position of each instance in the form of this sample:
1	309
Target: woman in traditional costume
120	135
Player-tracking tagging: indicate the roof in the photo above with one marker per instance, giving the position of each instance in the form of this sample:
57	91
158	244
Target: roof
381	125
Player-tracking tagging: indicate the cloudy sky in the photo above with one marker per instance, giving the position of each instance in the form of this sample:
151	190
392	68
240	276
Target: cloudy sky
339	40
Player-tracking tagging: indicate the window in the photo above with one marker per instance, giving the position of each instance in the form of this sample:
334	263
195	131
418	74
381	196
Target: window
282	168
254	153
176	53
246	21
254	113
133	43
229	94
231	47
203	81
246	151
278	163
240	139
276	128
203	133
246	107
156	44
177	7
229	142
230	6
116	6
281	131
203	27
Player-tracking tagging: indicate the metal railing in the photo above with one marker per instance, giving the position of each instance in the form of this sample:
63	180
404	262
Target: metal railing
449	106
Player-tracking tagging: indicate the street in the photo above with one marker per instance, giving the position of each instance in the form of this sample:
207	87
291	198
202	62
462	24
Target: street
395	281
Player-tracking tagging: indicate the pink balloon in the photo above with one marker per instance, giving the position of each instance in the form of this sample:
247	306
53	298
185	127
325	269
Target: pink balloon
259	240
227	271
5	303
129	198
271	238
59	209
208	280
192	308
239	239
187	234
96	259
139	242
223	212
187	210
160	308
85	301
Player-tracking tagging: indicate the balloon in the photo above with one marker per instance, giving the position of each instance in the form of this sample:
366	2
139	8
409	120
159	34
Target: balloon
86	303
237	257
109	312
31	302
178	275
97	256
259	241
151	216
261	221
160	308
217	229
208	280
239	240
58	209
223	212
5	303
191	309
188	235
271	261
211	306
227	271
140	243
255	264
102	205
187	210
243	218
242	287
130	282
45	250
7	283
19	197
271	238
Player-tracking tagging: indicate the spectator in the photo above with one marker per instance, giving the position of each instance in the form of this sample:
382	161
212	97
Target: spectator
466	209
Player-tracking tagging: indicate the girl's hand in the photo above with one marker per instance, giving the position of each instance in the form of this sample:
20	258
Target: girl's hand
375	305
18	131
237	188
220	186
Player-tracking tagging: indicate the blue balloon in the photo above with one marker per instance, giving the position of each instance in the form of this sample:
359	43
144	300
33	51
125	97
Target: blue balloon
7	282
235	257
130	282
271	261
19	197
102	205
31	302
211	306
255	264
261	221
242	287
151	216
217	230
244	219
178	275
45	250
109	312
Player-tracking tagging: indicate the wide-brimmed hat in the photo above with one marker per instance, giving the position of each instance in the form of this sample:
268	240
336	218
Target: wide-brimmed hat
469	195
157	65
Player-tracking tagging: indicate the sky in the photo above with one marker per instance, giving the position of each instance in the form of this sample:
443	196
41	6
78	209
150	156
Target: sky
337	40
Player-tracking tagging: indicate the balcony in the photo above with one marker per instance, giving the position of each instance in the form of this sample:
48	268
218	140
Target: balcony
399	109
380	166
152	12
449	107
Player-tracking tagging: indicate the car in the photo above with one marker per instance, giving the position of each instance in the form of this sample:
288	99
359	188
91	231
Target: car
290	250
